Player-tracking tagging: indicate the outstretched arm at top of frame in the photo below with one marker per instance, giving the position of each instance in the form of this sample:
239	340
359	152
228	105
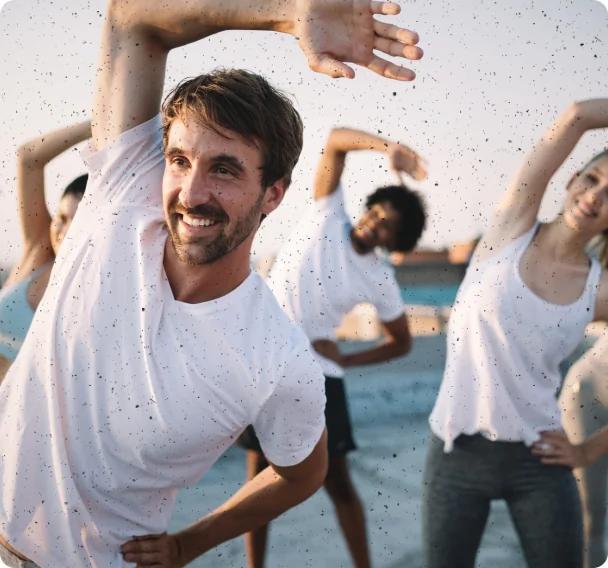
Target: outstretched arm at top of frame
341	141
138	35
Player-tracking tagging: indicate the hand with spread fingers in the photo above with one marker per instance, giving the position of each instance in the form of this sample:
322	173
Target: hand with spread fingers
406	160
334	33
153	551
554	448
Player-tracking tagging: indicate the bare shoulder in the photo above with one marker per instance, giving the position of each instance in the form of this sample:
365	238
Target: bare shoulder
32	259
499	235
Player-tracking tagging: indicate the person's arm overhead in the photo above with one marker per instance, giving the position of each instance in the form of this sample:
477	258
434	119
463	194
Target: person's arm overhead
518	210
341	141
397	341
260	500
32	157
138	35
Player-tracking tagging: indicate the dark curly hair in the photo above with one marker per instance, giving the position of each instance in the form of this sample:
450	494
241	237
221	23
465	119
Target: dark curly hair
411	209
76	187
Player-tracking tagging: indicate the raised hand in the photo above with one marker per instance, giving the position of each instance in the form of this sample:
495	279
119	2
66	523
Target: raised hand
158	551
404	159
333	33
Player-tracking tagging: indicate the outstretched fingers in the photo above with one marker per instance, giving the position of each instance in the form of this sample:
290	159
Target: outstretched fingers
397	49
397	42
390	31
385	8
390	70
330	66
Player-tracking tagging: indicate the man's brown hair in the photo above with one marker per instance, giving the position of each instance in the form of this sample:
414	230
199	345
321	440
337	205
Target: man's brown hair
247	104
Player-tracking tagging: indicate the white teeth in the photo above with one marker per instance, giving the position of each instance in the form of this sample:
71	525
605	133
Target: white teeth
197	222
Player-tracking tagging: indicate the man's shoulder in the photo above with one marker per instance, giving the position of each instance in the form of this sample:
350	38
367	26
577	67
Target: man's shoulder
272	318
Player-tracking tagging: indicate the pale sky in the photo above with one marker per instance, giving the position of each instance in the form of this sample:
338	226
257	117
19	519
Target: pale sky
495	73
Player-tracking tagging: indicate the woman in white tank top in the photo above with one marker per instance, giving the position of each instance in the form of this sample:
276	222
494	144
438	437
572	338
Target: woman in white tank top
529	292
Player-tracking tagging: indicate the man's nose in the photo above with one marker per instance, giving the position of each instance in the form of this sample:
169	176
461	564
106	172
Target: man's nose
196	190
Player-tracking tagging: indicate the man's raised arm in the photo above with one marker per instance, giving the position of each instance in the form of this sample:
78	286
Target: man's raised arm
341	141
139	34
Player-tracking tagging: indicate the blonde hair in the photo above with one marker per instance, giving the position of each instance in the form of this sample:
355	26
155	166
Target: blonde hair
598	248
599	245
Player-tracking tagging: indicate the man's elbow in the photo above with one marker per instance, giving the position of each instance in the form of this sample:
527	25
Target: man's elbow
121	15
335	142
26	154
116	11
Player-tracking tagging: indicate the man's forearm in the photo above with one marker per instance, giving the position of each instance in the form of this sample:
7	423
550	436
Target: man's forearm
344	140
180	22
379	354
389	349
136	40
259	501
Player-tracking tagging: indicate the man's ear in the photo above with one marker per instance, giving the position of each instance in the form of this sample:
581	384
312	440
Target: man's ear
273	196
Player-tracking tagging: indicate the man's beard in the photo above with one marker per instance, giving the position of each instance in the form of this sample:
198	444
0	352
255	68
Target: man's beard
199	252
360	245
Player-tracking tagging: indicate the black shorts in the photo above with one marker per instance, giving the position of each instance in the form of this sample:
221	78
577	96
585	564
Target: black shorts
339	431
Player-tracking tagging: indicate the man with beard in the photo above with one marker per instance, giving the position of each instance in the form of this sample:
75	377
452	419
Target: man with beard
324	270
154	345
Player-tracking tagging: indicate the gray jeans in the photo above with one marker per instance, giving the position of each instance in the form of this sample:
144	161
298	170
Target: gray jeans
543	503
8	559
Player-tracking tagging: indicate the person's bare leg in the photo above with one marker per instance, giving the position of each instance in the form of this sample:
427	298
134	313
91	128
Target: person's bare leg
349	510
255	541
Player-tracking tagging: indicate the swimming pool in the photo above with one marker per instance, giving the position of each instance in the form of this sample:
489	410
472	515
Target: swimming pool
436	295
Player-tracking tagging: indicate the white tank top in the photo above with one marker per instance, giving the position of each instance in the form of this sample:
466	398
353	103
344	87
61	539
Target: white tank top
505	345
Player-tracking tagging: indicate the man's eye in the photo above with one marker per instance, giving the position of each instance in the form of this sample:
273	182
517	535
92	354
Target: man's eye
223	171
179	162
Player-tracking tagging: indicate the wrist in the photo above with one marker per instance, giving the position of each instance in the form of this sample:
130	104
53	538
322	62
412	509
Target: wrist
188	546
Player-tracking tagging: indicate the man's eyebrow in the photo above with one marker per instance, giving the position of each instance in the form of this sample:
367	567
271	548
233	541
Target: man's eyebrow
229	160
173	151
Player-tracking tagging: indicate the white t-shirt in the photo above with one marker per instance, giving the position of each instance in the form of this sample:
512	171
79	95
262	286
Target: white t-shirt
318	277
505	345
121	395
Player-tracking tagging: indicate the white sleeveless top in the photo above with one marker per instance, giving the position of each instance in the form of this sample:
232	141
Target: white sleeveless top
505	345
